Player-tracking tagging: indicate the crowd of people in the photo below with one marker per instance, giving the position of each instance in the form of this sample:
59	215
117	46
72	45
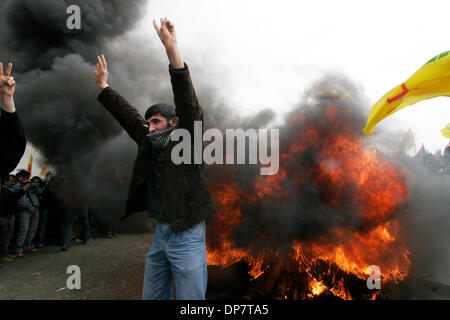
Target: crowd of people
38	212
439	163
34	214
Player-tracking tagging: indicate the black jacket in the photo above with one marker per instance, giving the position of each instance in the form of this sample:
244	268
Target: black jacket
184	193
12	145
10	198
12	142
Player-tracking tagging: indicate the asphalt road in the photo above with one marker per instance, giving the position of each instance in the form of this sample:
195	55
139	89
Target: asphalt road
113	269
110	269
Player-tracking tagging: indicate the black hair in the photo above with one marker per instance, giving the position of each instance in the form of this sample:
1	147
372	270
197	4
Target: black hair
166	110
10	175
23	174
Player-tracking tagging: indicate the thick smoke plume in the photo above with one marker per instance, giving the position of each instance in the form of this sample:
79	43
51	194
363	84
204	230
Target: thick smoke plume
309	213
56	94
305	215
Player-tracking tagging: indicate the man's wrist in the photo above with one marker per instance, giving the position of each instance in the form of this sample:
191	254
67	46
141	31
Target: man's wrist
175	58
6	98
7	103
103	85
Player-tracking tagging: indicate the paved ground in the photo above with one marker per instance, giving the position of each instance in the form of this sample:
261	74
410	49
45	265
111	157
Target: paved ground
110	269
114	269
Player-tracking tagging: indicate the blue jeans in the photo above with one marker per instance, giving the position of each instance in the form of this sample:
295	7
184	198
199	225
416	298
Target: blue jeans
76	210
43	224
28	223
6	233
179	257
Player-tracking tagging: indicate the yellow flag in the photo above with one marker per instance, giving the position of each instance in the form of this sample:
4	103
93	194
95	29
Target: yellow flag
30	164
430	81
43	172
407	141
446	131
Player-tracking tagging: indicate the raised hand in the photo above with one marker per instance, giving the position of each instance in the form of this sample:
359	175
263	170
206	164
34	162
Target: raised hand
168	37
166	32
7	83
101	72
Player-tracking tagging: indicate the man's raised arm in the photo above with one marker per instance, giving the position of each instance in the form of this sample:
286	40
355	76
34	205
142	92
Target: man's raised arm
12	135
127	116
168	37
187	107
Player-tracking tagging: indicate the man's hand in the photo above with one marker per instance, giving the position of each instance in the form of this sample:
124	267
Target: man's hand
7	88
168	37
101	73
27	186
32	209
166	32
7	83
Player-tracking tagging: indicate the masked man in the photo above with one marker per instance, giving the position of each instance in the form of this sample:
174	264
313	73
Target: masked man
175	195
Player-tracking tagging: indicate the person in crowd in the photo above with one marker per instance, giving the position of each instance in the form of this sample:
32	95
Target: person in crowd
7	216
76	207
112	228
12	145
44	208
446	160
28	216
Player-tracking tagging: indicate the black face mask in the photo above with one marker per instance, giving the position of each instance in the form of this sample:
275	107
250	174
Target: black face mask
161	138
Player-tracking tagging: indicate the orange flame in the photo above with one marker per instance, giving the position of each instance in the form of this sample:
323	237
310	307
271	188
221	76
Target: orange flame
378	191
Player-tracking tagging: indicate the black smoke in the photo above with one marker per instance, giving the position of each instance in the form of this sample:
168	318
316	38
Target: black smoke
56	93
306	214
274	222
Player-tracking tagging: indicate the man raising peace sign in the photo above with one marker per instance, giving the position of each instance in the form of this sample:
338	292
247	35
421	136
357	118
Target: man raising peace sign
175	195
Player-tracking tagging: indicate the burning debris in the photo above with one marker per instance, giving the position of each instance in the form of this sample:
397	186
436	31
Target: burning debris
332	210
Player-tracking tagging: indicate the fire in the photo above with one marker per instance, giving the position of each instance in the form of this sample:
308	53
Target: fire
317	287
362	189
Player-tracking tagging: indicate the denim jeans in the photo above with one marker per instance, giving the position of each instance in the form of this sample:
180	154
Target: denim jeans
42	224
6	233
179	257
27	223
76	210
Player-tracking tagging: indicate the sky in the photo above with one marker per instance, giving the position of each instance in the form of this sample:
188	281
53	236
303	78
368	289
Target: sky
265	54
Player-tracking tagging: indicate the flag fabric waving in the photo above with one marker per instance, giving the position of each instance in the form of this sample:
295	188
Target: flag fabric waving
407	142
30	164
446	131
43	172
430	81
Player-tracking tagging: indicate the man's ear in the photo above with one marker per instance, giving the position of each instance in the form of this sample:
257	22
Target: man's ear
174	121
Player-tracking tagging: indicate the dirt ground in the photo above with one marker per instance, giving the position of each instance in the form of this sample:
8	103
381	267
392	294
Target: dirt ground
113	269
110	269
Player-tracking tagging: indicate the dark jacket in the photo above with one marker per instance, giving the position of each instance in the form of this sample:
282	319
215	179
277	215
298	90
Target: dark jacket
30	198
184	193
10	198
12	144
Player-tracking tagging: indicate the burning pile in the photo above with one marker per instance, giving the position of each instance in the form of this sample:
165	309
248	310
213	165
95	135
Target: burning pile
313	229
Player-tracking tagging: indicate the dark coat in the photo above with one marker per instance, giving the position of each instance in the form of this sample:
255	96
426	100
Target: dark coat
10	198
12	145
12	142
184	193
